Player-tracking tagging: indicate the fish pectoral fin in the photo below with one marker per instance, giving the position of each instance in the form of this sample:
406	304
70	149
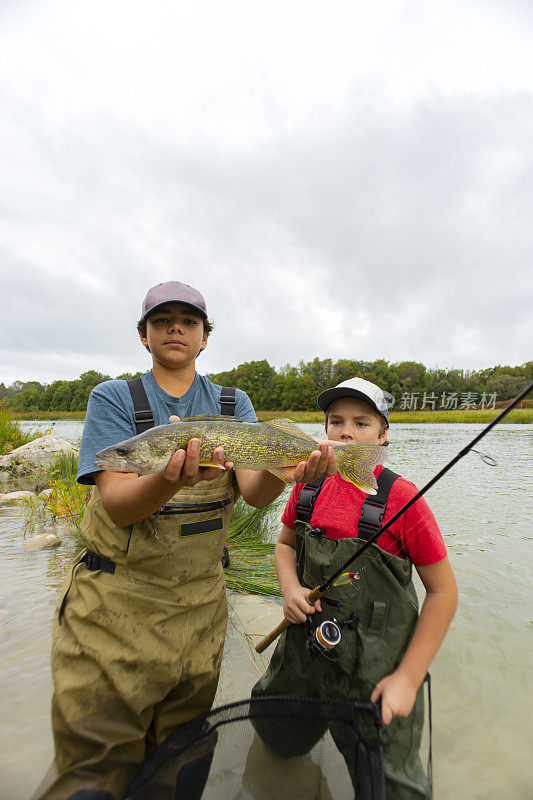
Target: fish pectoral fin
357	462
288	426
210	464
284	473
354	477
211	418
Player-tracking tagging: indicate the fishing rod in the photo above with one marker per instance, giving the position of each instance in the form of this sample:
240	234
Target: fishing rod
319	591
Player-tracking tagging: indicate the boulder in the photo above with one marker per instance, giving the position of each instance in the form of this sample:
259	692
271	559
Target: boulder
14	497
41	542
45	494
38	455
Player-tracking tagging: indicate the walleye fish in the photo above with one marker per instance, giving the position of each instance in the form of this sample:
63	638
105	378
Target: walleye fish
277	446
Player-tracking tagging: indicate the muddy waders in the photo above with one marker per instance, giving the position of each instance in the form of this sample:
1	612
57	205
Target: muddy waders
138	637
377	613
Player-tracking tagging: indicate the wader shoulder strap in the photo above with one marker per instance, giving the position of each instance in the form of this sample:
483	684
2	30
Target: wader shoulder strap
143	414
306	501
227	401
374	506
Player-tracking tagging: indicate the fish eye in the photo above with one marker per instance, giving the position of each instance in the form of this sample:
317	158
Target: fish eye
122	451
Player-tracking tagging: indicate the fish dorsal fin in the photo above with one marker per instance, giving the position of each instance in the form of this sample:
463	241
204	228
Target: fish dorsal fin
288	426
211	418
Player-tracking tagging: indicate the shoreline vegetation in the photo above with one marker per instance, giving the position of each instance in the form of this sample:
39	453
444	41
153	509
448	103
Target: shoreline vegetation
474	416
55	513
408	385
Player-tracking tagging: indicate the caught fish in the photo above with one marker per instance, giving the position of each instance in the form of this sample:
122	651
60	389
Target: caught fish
277	446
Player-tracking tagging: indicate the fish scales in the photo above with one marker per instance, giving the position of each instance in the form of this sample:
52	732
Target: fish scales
277	445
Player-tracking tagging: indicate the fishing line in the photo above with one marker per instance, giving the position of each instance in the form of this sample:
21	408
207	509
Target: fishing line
319	591
410	533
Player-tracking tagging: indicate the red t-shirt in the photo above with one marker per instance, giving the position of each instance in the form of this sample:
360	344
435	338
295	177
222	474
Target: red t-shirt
338	507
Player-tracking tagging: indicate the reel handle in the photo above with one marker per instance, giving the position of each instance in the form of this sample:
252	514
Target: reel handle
314	595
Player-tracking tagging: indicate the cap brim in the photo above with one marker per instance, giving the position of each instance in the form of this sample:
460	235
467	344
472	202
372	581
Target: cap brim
325	399
181	302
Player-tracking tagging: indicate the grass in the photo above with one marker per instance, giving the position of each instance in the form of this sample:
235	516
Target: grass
36	415
251	569
477	415
11	434
67	500
481	416
251	550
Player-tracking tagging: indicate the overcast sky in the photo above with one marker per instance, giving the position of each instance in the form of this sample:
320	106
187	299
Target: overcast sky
340	179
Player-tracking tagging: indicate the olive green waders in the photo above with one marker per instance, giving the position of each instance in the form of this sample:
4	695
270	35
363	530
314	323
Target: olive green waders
386	607
136	653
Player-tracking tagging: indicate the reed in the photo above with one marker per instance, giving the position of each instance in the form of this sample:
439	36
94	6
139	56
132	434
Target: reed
52	415
480	416
65	503
251	549
250	538
11	434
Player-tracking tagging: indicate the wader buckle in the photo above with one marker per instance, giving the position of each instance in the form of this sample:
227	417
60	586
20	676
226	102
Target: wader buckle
143	416
95	562
225	557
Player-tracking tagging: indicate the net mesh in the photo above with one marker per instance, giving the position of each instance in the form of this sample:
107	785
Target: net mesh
269	748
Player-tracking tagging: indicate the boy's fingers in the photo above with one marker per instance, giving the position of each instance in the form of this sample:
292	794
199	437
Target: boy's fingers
218	456
173	418
332	466
173	471
386	713
192	462
314	467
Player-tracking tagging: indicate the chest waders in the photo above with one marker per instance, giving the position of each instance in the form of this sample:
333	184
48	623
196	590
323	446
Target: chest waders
139	633
377	613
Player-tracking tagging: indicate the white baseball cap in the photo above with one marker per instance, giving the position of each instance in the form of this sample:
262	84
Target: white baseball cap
356	387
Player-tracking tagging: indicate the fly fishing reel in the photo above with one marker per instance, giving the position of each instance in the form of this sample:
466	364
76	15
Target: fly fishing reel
324	638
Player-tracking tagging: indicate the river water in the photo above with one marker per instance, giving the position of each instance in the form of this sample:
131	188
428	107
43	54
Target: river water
482	688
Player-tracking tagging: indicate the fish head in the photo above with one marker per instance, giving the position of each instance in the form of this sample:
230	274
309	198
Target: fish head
139	454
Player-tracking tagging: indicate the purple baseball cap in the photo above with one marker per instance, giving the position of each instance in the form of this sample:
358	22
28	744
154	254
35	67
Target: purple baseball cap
173	292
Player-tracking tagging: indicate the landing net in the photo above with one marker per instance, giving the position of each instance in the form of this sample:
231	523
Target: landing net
269	748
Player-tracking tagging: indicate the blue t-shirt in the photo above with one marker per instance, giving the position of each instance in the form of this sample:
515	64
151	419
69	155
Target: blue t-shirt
109	417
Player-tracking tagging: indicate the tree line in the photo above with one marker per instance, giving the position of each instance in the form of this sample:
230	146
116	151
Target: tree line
296	387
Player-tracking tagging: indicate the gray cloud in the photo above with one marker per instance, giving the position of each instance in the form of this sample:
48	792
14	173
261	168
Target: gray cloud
343	225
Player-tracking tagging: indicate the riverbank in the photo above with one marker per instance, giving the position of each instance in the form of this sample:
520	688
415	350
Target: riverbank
480	674
474	416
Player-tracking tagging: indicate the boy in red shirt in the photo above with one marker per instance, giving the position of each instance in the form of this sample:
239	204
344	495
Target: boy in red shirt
391	647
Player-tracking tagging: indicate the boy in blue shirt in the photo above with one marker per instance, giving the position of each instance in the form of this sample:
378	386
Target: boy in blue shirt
140	630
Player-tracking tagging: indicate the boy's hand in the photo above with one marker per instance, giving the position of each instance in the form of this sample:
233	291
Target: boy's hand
184	466
398	695
322	461
296	604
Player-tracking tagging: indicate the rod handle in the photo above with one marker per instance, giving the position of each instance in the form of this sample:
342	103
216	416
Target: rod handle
314	595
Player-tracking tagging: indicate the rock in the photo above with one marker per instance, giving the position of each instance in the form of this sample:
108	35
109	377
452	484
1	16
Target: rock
4	477
14	497
45	494
41	542
38	455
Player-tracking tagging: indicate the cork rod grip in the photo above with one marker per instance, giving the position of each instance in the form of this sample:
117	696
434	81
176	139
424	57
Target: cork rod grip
313	596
